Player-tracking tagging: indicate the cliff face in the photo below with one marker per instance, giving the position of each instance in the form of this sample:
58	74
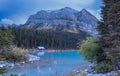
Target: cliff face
65	19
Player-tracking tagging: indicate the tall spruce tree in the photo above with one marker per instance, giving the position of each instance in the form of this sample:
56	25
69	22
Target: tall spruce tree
109	29
5	38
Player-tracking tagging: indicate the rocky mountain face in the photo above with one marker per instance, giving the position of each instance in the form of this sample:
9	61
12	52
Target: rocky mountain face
65	19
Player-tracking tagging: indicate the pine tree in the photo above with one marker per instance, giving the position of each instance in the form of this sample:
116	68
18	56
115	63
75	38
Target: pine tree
5	37
109	29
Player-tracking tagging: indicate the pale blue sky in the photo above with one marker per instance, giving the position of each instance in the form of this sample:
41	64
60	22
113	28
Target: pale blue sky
18	11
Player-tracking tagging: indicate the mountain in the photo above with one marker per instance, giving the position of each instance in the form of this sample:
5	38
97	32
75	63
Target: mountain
5	25
65	19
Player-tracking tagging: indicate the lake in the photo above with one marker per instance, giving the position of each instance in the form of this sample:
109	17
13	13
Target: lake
50	64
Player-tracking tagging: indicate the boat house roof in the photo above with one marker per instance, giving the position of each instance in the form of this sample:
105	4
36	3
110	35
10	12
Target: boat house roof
41	47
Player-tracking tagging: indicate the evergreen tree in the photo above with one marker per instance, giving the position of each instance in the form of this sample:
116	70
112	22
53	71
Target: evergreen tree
109	29
5	37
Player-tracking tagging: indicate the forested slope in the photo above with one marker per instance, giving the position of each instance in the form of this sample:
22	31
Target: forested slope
29	38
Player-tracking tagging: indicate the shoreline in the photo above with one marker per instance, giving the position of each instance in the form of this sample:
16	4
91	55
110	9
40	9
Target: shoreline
9	64
31	59
52	63
87	71
56	50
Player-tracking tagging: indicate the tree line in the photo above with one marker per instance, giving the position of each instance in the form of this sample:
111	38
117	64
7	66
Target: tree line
30	38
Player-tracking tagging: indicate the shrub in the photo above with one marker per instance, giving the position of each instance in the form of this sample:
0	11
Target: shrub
16	75
3	70
16	54
103	67
90	49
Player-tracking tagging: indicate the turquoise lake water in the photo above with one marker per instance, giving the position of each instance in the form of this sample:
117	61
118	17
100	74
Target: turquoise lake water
50	64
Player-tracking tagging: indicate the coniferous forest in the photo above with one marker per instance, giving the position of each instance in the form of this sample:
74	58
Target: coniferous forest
30	38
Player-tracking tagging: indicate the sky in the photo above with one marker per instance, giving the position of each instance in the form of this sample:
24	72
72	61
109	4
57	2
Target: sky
18	11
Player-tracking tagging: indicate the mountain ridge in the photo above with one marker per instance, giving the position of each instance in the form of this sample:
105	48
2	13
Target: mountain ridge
64	19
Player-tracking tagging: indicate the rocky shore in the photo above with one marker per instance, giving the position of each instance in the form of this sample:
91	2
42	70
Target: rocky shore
90	72
31	58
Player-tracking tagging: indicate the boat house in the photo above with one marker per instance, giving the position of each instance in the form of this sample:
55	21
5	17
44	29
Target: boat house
40	47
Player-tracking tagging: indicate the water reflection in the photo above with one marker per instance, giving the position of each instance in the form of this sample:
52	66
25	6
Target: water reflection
40	72
50	64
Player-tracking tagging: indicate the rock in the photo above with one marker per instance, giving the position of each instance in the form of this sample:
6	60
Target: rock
90	75
65	19
6	64
32	58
